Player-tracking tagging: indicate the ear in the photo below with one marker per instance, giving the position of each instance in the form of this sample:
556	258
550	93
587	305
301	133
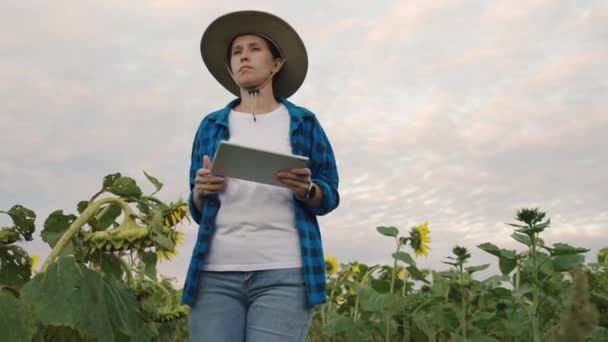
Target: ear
278	64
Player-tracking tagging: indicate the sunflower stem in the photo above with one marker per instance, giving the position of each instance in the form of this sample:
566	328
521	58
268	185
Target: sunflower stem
388	321
77	225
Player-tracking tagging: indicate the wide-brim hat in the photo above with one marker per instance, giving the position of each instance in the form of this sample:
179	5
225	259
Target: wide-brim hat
222	31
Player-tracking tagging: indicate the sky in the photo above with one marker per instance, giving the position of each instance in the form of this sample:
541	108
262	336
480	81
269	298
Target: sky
453	112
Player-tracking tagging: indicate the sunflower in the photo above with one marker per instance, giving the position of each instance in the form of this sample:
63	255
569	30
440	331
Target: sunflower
355	268
33	262
331	265
177	238
420	239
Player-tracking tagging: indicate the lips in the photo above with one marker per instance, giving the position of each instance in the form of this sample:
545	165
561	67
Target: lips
245	67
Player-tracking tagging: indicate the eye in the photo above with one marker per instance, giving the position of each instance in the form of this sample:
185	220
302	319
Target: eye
236	52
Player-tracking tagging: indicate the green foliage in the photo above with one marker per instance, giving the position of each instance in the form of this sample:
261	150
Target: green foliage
100	282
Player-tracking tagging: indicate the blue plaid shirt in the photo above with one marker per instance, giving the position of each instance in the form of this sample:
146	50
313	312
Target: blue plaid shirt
307	138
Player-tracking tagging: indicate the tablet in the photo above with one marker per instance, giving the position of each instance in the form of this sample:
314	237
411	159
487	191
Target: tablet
252	164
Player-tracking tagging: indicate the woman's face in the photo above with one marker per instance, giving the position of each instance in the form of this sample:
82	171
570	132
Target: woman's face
251	60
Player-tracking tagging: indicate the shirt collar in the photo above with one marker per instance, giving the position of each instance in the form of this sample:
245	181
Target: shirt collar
295	112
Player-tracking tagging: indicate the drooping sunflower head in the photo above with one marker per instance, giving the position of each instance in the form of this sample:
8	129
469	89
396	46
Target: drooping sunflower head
177	238
331	265
420	239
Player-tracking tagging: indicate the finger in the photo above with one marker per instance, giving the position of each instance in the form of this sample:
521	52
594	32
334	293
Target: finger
213	187
301	172
206	162
290	175
295	184
209	180
203	172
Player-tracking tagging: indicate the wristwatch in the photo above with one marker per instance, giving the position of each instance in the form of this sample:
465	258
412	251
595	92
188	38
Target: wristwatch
312	190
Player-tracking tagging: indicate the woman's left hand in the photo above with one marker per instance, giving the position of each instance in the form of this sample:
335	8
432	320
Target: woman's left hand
298	180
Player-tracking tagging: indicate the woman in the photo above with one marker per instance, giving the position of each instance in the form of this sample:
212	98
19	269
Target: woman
257	269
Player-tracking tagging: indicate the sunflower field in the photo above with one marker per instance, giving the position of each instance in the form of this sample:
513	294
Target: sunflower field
100	281
543	293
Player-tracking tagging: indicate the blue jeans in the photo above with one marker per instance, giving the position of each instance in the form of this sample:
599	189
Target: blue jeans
257	306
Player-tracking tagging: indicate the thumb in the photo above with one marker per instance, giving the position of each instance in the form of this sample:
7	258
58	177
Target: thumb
206	162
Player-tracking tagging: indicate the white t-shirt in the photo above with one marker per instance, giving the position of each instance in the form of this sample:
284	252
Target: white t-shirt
255	226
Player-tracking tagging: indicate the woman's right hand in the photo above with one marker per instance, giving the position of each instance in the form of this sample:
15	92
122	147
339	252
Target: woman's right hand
206	184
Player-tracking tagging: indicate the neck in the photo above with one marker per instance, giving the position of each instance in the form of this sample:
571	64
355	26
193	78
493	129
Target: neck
265	101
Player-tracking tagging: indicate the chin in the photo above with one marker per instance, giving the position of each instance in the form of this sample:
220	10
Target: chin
246	83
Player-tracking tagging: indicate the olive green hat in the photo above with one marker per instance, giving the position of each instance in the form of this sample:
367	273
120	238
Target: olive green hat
218	36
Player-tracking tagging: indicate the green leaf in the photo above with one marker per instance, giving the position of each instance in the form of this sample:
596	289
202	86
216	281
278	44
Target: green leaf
565	263
125	187
525	239
108	181
490	248
82	206
371	300
416	274
113	212
403	256
388	231
9	235
565	249
449	275
69	294
111	265
381	286
483	316
473	269
63	334
500	293
344	325
16	319
123	309
23	218
506	265
162	241
149	260
55	226
157	184
15	266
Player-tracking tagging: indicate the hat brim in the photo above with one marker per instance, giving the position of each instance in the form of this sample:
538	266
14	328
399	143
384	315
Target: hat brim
221	32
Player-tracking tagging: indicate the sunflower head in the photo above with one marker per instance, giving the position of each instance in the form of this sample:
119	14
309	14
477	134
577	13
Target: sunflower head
175	213
420	239
331	265
530	216
462	254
